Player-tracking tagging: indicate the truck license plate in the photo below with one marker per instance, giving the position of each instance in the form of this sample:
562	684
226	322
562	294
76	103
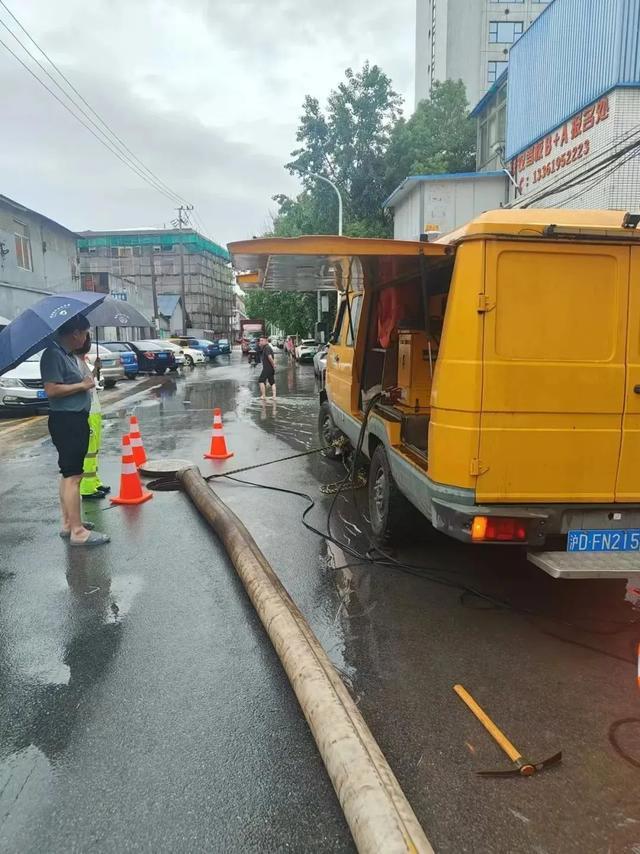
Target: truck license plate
624	540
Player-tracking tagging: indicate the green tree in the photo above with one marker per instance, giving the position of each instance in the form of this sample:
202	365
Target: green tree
439	137
293	313
346	143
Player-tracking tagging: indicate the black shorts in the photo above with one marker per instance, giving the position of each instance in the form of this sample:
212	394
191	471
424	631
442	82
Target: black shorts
70	434
268	375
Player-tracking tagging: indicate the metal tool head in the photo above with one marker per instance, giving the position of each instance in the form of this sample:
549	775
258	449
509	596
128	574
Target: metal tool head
524	768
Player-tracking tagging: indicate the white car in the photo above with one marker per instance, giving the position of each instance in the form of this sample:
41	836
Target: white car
320	363
306	350
22	387
111	368
184	355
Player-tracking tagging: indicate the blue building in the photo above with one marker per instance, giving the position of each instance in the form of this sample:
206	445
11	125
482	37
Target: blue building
565	117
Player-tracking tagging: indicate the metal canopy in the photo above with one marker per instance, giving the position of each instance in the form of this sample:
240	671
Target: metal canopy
320	263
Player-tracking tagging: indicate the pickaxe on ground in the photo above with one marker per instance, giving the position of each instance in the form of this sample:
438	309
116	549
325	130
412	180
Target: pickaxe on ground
523	767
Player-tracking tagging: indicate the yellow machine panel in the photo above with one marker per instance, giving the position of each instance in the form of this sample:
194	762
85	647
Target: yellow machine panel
416	360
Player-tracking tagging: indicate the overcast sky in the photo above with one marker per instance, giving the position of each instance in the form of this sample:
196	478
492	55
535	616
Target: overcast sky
206	92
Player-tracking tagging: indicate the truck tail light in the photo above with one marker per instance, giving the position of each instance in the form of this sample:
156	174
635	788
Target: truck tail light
498	529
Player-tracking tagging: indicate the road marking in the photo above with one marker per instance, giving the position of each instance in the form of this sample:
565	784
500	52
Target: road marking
23	423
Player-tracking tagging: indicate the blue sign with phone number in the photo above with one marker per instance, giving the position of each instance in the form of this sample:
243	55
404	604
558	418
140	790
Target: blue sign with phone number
625	540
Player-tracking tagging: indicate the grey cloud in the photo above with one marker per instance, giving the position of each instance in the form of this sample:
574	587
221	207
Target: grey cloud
264	58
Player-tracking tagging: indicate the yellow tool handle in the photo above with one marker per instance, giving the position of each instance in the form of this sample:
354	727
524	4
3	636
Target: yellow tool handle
512	752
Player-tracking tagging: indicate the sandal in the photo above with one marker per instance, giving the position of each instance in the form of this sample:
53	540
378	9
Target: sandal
67	534
94	539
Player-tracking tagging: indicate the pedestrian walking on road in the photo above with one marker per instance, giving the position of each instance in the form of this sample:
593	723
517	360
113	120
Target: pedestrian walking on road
91	486
68	390
268	374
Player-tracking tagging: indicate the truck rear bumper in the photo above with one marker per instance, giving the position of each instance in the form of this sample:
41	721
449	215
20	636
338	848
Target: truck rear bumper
542	521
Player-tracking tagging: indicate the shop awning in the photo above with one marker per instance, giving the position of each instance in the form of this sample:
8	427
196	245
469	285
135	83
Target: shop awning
314	263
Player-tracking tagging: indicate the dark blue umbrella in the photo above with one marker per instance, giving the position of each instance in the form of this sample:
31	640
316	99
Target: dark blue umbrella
35	327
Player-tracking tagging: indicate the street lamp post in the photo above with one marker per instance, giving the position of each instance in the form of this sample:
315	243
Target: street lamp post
338	194
331	184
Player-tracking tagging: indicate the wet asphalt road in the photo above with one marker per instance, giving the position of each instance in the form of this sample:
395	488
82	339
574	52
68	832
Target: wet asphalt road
143	709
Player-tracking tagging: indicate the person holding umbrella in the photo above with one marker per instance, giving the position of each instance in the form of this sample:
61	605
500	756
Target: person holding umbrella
68	390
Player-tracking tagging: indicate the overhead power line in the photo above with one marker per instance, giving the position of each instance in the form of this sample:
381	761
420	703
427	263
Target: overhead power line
107	137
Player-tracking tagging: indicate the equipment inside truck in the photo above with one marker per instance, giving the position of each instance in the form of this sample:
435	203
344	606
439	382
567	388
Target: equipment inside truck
405	322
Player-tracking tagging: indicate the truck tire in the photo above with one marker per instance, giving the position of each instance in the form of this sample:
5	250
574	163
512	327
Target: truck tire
328	432
389	510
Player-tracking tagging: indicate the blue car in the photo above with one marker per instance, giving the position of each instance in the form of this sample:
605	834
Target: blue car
209	348
225	347
128	358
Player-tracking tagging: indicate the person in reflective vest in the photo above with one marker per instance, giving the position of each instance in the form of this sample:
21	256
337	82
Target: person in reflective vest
91	486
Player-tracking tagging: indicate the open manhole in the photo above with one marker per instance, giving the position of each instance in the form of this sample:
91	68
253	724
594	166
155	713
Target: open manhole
165	471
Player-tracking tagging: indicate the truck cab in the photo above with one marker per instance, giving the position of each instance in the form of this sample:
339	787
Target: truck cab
492	378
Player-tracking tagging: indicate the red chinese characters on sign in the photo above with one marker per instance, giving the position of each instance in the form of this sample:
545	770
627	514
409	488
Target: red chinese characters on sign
579	124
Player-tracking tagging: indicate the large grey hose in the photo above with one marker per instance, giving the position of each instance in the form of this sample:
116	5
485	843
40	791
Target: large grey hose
379	816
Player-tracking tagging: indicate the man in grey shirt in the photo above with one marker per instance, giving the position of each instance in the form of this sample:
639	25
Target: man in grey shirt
68	390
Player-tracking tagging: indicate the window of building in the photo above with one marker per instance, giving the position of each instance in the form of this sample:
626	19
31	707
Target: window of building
512	2
125	251
24	259
92	250
504	32
157	248
495	69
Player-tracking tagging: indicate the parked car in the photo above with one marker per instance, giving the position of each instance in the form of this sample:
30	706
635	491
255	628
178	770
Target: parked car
191	355
22	387
178	352
224	346
306	350
320	362
111	367
209	348
128	358
152	358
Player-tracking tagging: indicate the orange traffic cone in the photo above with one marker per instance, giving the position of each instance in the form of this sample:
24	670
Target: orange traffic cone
218	450
131	491
137	448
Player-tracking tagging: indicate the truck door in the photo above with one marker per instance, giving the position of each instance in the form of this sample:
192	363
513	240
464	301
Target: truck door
554	381
628	483
342	386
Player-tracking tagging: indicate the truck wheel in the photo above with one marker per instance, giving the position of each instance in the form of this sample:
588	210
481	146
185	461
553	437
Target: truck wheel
389	510
328	432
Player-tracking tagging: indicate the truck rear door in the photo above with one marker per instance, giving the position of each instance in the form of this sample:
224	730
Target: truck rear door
554	375
628	481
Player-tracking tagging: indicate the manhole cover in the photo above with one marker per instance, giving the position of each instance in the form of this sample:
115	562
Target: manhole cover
157	468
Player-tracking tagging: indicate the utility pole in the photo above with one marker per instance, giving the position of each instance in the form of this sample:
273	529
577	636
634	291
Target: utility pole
182	211
154	293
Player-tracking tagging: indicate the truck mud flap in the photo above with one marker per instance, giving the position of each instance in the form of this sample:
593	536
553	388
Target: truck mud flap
587	564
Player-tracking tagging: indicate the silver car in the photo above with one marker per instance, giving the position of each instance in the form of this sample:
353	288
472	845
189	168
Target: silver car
111	367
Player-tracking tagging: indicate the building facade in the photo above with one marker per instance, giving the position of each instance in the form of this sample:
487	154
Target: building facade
38	256
572	141
151	258
468	40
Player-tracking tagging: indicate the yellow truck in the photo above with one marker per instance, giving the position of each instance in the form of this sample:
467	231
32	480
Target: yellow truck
492	378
